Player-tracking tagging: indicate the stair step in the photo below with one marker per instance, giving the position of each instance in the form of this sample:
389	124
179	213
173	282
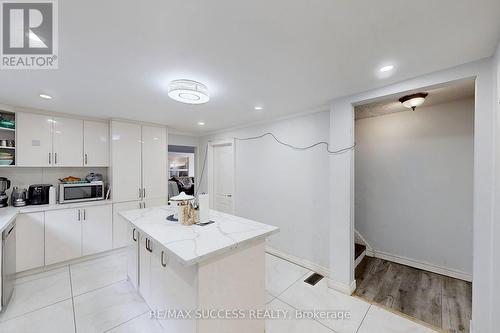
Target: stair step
358	250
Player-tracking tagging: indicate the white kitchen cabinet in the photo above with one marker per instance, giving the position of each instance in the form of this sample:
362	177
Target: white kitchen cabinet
133	257
121	228
67	142
154	202
154	162
30	241
145	268
95	143
63	235
97	229
126	161
34	140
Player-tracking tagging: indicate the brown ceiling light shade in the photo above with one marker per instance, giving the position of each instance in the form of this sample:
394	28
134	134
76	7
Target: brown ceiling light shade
413	100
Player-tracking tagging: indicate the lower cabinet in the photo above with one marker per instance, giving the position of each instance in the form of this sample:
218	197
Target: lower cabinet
71	233
133	258
63	235
30	241
97	229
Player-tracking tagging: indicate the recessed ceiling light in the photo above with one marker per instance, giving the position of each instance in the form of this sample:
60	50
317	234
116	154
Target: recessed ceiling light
414	100
258	108
44	96
201	123
386	68
188	91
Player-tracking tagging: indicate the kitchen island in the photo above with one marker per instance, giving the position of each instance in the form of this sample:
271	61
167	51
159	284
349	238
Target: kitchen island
199	279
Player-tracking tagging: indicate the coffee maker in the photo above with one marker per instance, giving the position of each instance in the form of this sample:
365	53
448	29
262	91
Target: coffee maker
4	186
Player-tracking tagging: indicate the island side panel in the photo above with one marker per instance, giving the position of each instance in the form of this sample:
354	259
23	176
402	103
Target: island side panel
233	281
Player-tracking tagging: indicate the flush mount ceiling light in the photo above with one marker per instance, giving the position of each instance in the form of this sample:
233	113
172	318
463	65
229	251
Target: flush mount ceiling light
188	91
44	96
258	108
386	68
201	123
414	100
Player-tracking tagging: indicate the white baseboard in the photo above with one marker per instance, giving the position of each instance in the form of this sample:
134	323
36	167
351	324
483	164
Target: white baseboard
299	261
420	265
342	287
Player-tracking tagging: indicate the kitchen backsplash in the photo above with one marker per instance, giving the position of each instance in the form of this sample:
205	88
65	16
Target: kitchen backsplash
24	177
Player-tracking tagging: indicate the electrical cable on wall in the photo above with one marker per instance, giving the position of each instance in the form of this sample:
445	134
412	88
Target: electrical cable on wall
327	146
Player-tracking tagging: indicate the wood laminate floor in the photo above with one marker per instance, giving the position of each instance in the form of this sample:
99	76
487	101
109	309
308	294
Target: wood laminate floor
432	298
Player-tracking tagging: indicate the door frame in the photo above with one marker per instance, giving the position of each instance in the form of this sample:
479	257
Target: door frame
210	152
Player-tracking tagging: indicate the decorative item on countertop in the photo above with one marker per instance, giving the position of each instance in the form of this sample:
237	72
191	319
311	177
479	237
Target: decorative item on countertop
94	177
203	208
188	215
176	203
52	195
72	180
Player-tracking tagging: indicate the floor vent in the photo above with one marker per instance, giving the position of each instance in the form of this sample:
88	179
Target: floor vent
313	279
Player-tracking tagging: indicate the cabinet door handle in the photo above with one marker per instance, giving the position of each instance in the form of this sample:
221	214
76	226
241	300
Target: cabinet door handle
84	214
86	159
148	245
55	158
50	158
162	263
143	205
144	192
79	215
140	193
133	235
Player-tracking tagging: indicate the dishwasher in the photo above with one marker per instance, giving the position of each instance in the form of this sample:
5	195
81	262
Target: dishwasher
8	263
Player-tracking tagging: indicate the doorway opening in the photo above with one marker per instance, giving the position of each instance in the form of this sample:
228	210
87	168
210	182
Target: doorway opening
414	205
181	170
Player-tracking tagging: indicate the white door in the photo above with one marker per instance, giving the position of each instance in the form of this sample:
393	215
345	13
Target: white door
95	143
97	229
223	177
68	142
30	241
126	161
121	228
154	162
34	140
63	235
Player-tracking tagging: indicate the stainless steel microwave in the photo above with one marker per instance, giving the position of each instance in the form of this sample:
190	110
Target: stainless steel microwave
81	192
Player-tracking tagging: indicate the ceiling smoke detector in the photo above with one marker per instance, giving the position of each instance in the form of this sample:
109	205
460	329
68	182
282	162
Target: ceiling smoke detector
414	100
188	91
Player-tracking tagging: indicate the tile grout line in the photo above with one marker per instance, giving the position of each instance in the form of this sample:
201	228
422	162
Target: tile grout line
102	287
294	282
126	321
364	317
72	297
29	312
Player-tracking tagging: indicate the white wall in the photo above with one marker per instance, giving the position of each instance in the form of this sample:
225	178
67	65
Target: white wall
342	168
496	227
413	193
285	187
183	140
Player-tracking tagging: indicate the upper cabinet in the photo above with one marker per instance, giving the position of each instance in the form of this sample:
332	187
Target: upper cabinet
67	142
45	141
95	143
126	161
34	140
139	161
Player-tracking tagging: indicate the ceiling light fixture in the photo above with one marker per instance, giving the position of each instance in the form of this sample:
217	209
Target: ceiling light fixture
188	91
414	100
44	96
386	68
201	123
258	108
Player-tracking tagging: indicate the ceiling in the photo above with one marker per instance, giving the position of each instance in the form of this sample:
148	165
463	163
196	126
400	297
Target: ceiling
447	93
117	57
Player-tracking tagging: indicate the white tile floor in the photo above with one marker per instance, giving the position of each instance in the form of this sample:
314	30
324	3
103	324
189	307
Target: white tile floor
95	297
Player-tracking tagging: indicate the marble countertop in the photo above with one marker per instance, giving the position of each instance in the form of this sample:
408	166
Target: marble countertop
8	214
193	244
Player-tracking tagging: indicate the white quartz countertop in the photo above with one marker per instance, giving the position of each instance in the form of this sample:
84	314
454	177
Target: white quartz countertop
193	244
8	214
